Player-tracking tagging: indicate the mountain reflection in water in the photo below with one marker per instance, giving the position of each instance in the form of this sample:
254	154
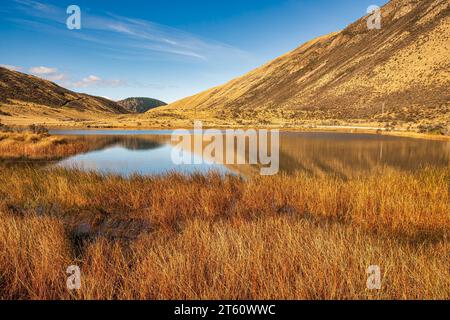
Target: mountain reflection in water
317	153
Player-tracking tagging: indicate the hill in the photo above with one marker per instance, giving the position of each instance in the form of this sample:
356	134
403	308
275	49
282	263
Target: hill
399	73
26	99
17	87
140	105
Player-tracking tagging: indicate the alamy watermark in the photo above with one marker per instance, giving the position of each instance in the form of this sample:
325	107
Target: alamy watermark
73	22
374	279
374	18
227	147
74	279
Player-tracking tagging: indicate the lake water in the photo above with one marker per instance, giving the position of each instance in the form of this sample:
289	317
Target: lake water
149	152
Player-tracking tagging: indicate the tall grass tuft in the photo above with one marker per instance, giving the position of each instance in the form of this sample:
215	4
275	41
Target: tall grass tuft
215	237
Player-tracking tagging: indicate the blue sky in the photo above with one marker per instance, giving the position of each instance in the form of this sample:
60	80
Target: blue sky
166	49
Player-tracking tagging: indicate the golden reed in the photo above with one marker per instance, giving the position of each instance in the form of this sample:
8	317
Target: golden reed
214	237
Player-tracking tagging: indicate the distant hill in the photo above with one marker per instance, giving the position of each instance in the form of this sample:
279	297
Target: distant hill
397	73
20	88
140	105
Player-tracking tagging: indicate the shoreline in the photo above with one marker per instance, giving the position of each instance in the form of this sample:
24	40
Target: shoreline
369	128
339	129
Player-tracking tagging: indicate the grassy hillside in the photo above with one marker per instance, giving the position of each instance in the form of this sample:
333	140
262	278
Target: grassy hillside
396	74
19	87
25	100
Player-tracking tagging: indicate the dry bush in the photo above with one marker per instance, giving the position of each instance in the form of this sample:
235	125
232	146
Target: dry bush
34	256
214	237
38	146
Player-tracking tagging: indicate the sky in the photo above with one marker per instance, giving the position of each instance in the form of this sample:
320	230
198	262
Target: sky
164	49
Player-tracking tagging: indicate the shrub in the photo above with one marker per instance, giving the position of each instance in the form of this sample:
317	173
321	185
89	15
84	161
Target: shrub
38	129
4	128
437	129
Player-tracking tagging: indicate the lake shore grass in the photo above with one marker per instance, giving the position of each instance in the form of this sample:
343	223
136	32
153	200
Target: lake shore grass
158	120
23	144
215	237
26	145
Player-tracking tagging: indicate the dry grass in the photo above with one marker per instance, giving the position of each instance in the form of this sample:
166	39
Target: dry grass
213	237
33	146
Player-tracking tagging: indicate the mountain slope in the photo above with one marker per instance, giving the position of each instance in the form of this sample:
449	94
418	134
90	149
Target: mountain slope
400	72
140	105
20	88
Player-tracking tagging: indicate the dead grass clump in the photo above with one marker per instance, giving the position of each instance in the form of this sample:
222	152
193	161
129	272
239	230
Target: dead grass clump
215	237
38	146
34	256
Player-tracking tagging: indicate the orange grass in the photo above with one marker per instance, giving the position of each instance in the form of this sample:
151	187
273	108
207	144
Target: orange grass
213	237
27	145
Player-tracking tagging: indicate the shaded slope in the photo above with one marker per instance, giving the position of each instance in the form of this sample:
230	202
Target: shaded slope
17	87
140	105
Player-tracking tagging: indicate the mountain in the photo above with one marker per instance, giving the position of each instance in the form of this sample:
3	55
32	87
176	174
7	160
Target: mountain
17	88
140	105
397	73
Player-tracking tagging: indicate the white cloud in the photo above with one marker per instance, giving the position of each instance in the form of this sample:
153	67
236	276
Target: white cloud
43	70
48	73
87	82
10	67
53	74
56	77
93	80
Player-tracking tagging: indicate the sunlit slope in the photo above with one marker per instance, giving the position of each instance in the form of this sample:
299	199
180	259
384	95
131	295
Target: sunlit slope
400	72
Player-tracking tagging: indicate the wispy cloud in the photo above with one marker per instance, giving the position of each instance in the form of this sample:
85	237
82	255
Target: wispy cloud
11	67
113	31
53	74
48	73
88	81
43	70
93	80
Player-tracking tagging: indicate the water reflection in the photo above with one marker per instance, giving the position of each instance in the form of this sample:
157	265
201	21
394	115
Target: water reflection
349	154
149	152
148	155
